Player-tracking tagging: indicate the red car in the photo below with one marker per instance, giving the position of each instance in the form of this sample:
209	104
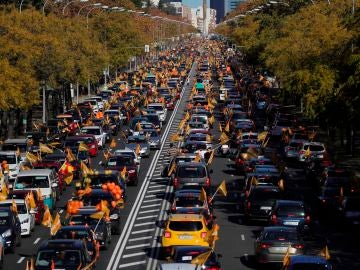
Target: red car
88	139
40	207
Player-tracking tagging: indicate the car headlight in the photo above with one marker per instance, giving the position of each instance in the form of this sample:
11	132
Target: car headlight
114	216
7	233
25	221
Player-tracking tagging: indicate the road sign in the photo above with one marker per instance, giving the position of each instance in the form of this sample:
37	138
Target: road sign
147	48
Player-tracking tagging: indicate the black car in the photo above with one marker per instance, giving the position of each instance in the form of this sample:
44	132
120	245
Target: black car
259	203
96	196
88	217
119	162
10	228
184	254
63	254
83	233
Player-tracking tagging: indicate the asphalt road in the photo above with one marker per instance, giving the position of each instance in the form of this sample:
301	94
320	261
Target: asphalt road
138	245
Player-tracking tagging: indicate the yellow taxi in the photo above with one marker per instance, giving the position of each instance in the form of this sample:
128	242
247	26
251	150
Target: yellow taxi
186	230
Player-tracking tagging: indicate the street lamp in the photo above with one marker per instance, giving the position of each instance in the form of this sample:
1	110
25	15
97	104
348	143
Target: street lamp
94	5
43	86
87	15
73	1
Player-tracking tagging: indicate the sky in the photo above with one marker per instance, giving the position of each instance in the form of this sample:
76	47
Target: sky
192	3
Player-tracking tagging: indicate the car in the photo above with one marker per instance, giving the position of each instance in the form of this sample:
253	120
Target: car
350	210
134	141
89	140
98	132
45	180
290	213
25	214
14	161
259	203
160	110
121	161
308	262
98	224
274	242
15	145
190	199
313	150
185	230
10	228
39	202
129	152
80	232
63	254
153	138
195	173
291	150
184	254
95	197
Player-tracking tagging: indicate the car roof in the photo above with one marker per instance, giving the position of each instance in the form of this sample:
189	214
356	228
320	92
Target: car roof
37	172
185	217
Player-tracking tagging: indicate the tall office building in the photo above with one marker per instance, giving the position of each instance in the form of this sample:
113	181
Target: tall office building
230	5
219	6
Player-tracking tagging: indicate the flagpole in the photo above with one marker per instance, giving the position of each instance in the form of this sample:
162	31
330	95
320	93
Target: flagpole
98	223
213	196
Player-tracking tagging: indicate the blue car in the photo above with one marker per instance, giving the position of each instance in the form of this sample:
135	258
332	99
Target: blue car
308	262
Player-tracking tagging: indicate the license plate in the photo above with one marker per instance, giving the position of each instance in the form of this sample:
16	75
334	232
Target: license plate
185	237
186	258
279	249
320	156
265	208
291	223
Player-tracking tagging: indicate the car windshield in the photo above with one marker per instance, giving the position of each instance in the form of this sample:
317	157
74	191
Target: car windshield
71	234
96	199
63	258
4	218
21	208
309	266
183	226
291	210
14	147
93	131
11	159
97	180
314	148
23	182
188	202
82	220
280	235
120	161
192	172
263	195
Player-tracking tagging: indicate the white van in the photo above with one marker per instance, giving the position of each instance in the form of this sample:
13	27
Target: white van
44	179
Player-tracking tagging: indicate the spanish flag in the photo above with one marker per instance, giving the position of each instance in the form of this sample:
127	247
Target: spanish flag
85	169
123	173
224	138
202	258
286	260
222	188
14	206
137	149
227	127
113	143
262	136
172	168
56	224
47	219
211	158
325	253
31	200
220	128
31	157
203	196
197	158
70	156
45	149
83	147
307	153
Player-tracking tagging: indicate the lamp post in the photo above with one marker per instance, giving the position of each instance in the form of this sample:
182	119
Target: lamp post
87	15
21	3
43	86
90	5
70	2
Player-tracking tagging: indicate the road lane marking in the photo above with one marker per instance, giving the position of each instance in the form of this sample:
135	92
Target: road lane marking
155	190
134	254
149	196
242	237
131	264
21	259
152	200
137	246
149	211
145	217
151	205
140	238
144	224
37	240
142	231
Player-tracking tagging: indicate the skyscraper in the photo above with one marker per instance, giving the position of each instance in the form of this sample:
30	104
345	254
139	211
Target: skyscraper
219	6
230	5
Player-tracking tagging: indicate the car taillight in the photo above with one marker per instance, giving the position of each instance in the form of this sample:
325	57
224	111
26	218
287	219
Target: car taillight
247	194
239	161
307	219
298	246
167	234
265	246
207	182
173	208
273	219
302	152
212	268
176	182
248	205
203	235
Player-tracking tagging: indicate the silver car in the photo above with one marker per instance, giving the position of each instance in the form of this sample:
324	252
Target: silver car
191	173
133	141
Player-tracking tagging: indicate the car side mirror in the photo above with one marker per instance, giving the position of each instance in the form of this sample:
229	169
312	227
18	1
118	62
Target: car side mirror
54	185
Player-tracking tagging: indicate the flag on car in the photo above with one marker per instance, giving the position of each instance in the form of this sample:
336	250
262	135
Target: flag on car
113	143
56	224
47	219
222	188
325	253
83	147
202	258
211	158
45	149
224	138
